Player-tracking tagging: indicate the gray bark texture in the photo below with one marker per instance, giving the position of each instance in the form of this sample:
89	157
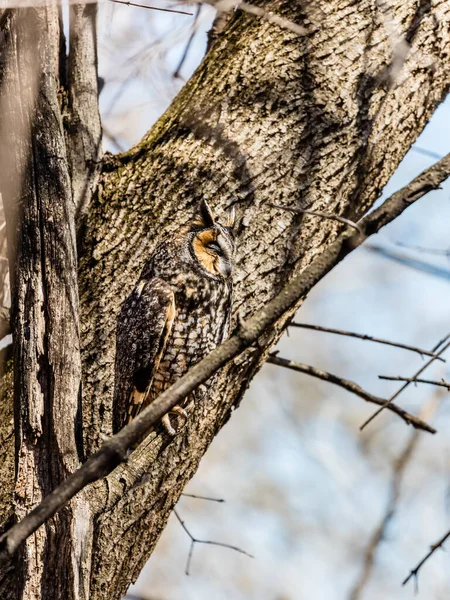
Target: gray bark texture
47	365
270	117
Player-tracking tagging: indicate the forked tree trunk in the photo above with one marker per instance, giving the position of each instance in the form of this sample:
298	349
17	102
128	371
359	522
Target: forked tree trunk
270	117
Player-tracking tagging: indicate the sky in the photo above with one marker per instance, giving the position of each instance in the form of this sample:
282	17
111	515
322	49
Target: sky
304	488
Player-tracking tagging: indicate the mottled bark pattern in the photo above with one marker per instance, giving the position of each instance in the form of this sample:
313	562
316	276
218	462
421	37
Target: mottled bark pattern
45	302
82	120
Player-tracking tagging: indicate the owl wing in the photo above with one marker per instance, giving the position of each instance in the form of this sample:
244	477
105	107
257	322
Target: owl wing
143	327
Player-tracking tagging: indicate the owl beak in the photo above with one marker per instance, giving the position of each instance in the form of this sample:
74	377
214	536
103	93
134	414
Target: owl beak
227	268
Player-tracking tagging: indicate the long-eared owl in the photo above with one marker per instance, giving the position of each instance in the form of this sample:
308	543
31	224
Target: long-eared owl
178	312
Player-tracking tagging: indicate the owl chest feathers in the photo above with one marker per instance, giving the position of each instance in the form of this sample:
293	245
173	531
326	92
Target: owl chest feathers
200	323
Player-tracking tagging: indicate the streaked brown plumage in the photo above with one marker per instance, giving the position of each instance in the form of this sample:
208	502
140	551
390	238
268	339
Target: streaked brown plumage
178	312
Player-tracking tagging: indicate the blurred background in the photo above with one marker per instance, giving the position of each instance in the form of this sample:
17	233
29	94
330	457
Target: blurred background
305	490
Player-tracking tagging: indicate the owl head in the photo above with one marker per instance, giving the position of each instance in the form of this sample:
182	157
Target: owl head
212	243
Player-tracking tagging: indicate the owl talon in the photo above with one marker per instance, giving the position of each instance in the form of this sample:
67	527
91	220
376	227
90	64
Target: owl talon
179	412
168	425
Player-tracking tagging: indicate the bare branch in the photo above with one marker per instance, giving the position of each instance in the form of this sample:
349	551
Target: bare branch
413	378
82	123
257	11
203	497
424	249
226	6
409	261
318	213
364	336
433	549
441	383
218	27
188	44
350	386
114	451
113	139
399	469
442	341
195	540
426	152
167	10
130	596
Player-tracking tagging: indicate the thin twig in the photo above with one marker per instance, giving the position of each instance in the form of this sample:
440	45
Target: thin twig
113	139
406	384
203	497
130	596
426	152
317	213
187	46
424	249
350	386
409	261
168	10
364	336
398	472
115	450
441	383
433	549
195	540
256	11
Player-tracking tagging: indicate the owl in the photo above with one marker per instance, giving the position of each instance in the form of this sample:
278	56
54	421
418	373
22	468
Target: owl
178	312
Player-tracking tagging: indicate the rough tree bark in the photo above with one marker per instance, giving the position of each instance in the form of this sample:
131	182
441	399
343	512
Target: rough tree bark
269	117
41	218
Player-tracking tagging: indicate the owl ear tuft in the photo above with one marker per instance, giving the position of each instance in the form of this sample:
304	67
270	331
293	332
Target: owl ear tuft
206	214
230	218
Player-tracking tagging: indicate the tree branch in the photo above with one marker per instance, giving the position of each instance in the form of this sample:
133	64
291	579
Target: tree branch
208	498
409	261
195	540
442	383
400	466
167	10
130	596
350	386
439	544
83	127
399	391
424	249
188	44
318	213
363	336
256	11
115	449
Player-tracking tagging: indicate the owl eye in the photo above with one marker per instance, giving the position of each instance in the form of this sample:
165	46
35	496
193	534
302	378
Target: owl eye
214	247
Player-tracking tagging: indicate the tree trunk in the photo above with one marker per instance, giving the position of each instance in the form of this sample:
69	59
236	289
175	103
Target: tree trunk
318	121
45	304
